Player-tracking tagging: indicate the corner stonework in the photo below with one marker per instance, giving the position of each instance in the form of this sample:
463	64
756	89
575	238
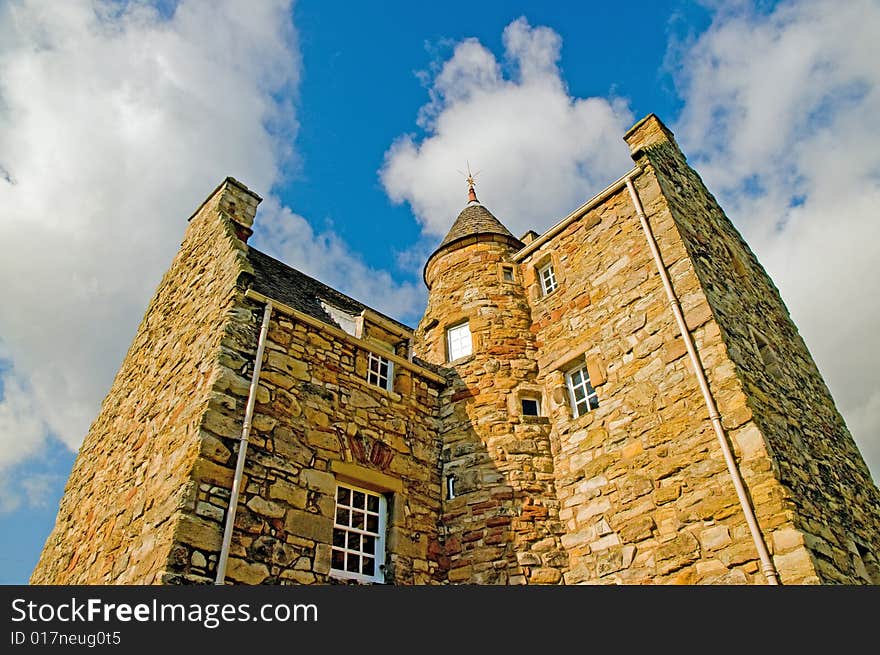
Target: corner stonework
135	481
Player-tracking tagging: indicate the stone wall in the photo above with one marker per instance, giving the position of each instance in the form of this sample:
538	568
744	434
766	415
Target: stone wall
501	526
634	491
645	494
132	476
836	505
316	421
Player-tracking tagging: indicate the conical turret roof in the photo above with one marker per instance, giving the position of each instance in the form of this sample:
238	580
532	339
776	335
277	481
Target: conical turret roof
474	219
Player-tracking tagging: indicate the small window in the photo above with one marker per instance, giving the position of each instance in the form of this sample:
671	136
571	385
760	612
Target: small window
530	406
458	341
380	371
450	487
548	279
358	551
507	273
581	393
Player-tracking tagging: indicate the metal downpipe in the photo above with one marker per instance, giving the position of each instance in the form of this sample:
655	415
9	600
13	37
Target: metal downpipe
242	449
767	566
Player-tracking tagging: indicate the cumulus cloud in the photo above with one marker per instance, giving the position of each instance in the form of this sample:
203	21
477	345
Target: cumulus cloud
289	237
778	110
541	151
779	118
116	120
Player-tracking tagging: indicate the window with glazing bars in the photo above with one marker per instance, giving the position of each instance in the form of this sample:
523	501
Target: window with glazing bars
358	550
379	371
548	279
581	393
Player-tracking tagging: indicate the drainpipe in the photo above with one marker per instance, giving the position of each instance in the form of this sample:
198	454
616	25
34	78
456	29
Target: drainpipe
242	449
767	566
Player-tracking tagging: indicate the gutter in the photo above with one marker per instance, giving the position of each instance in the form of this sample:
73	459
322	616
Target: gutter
242	448
599	198
767	566
345	336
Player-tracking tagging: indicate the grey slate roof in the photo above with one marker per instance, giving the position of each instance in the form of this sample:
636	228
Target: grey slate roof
474	219
287	285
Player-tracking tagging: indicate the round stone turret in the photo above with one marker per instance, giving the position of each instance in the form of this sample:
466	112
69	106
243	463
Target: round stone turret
497	467
471	266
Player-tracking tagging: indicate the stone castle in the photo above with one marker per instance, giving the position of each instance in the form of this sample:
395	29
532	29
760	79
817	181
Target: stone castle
620	400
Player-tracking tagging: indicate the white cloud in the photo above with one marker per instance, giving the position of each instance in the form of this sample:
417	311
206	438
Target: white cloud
22	434
115	122
289	237
779	118
541	151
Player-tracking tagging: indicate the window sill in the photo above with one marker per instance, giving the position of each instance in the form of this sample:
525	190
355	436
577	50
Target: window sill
536	420
339	577
583	420
393	395
460	360
546	296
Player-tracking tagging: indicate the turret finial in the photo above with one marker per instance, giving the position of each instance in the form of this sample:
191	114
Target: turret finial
471	180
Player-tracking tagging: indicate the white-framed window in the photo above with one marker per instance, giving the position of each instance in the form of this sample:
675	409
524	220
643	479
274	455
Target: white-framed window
458	341
358	551
380	371
531	406
548	279
581	393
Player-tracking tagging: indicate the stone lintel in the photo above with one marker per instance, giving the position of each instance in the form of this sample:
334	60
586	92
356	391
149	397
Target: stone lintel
366	477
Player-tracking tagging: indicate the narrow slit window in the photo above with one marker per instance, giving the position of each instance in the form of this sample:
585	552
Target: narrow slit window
581	393
530	406
548	279
380	371
458	341
507	273
358	550
450	487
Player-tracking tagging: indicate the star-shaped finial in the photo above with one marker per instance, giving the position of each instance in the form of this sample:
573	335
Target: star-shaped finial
471	179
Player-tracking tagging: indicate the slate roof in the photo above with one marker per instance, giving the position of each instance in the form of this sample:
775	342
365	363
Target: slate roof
474	219
287	285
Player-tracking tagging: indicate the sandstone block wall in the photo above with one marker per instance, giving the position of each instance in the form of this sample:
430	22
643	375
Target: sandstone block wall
132	474
644	491
502	525
316	421
635	491
835	506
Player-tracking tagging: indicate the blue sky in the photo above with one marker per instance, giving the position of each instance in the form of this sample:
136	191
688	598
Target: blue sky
352	120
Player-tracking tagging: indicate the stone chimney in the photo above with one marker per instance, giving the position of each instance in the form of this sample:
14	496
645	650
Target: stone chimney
648	132
235	202
528	237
